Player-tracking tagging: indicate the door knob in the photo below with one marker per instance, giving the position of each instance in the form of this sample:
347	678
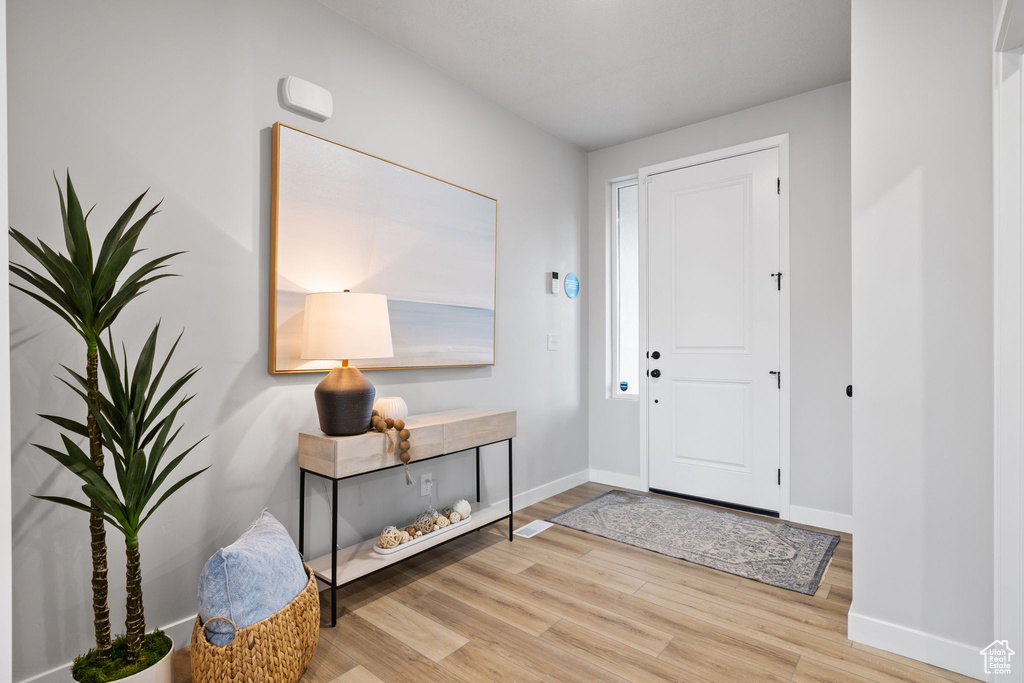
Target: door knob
656	355
655	373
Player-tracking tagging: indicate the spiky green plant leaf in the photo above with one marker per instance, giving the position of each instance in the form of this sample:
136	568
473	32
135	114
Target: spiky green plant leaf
135	413
85	292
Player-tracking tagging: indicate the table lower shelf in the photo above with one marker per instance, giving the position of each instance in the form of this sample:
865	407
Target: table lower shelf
356	561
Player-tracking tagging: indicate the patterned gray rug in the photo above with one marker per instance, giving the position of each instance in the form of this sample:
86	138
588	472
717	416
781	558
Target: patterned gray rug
770	552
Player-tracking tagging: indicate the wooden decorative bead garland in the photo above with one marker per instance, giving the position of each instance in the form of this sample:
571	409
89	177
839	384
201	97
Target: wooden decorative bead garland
383	425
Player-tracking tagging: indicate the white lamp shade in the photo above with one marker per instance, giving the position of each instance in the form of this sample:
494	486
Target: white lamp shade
346	325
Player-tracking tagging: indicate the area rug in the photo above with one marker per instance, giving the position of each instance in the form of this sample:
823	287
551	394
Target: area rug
774	553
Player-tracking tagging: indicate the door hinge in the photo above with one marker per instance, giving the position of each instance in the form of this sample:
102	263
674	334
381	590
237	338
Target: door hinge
780	477
778	377
778	281
778	186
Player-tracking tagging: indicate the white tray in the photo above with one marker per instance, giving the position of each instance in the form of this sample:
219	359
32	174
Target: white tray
432	534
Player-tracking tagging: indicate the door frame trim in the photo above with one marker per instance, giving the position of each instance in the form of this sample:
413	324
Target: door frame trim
780	142
1008	307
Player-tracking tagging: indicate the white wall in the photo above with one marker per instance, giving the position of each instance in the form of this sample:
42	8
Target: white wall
819	126
181	96
922	343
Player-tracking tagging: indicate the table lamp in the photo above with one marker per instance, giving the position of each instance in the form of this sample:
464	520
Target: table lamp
343	326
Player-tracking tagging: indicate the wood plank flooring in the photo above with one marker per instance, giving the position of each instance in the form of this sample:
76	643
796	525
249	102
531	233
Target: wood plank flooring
568	606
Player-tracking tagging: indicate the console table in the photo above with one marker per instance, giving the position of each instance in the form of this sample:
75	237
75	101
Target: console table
431	436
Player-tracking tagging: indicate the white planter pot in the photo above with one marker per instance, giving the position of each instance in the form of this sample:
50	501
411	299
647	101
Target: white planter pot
161	672
391	406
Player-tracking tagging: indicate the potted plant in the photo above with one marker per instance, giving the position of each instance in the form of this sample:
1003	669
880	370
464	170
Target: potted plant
88	289
137	420
84	292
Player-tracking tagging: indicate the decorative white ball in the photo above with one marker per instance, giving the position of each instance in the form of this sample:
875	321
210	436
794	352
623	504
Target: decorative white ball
391	407
463	508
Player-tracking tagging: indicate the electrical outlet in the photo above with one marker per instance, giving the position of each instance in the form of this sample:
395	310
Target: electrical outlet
552	342
426	484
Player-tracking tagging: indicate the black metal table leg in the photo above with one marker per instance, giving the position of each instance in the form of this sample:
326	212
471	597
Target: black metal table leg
302	513
510	494
478	474
334	554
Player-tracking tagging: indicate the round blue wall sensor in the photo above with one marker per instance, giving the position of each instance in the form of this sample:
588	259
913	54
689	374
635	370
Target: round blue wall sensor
572	286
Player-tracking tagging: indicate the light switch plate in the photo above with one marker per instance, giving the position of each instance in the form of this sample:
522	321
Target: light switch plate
552	342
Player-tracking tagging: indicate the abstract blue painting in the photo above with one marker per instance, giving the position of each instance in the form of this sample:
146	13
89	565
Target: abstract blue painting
344	219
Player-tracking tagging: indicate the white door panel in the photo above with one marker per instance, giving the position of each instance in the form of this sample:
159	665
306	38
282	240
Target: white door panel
706	414
710	260
713	316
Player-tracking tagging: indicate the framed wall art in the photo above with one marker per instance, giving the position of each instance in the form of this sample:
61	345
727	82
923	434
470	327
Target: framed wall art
344	219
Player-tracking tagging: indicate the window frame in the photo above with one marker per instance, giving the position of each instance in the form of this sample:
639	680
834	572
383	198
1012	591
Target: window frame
614	333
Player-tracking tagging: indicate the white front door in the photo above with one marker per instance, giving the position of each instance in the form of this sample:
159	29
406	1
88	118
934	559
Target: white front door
713	323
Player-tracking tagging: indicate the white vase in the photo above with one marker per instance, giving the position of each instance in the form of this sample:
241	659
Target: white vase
161	672
391	407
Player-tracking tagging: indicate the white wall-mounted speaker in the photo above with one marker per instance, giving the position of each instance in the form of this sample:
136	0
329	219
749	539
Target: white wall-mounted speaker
307	98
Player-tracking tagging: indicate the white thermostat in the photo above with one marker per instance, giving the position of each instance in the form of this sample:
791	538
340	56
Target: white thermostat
556	284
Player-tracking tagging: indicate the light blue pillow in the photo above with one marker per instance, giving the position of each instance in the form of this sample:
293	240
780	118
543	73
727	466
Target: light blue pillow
250	580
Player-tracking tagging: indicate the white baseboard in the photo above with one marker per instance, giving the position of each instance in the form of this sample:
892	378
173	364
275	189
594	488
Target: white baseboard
824	519
179	631
924	647
624	481
544	491
62	674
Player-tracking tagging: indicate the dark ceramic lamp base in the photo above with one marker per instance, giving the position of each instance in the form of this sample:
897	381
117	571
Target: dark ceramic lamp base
344	402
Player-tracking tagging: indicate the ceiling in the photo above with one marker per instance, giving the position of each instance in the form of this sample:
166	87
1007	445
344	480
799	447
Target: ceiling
601	72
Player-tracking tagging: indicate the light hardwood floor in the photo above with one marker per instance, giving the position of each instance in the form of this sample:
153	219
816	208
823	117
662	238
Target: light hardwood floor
569	606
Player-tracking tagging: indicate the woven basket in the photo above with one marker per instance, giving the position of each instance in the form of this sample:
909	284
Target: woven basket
276	649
